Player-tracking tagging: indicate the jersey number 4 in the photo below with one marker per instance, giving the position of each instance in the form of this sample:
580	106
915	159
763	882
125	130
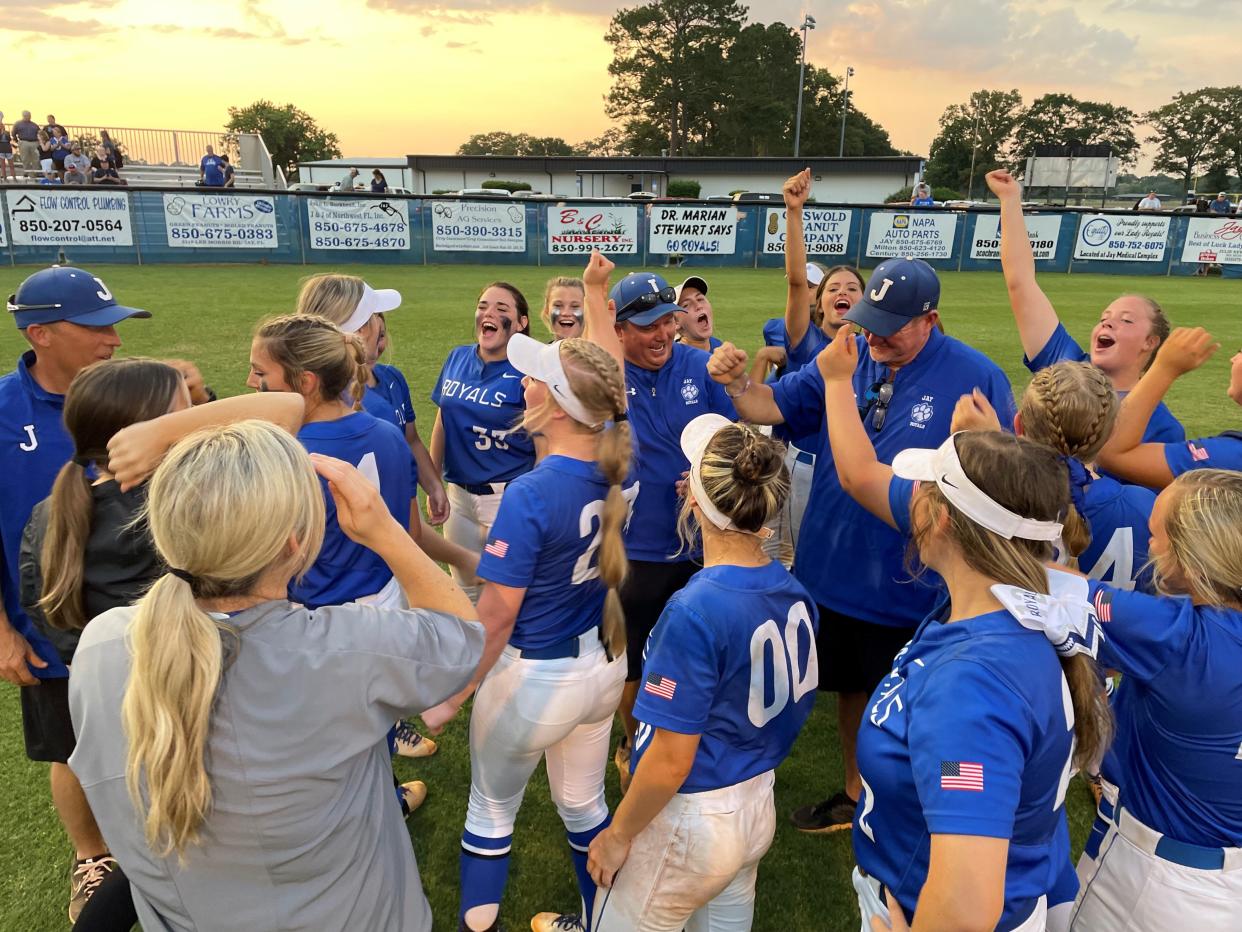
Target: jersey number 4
776	650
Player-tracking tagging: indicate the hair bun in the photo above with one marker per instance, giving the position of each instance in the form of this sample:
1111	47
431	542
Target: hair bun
757	461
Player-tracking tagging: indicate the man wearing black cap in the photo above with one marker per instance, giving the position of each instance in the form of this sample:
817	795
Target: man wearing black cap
68	317
908	380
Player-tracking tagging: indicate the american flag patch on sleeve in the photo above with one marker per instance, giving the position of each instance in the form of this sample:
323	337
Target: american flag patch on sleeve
660	686
961	775
1197	453
1104	605
497	548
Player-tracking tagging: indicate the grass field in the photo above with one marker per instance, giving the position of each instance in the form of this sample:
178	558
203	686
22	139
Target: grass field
207	313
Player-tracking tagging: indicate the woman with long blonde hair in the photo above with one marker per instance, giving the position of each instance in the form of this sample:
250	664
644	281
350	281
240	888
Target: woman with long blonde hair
231	741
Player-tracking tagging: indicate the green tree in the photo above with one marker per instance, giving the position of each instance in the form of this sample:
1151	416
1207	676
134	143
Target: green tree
668	65
1226	149
1062	119
1185	131
636	137
821	121
755	114
291	135
501	143
980	127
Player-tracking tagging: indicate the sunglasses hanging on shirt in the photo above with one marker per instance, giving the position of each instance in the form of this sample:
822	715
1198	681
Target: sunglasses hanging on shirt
877	400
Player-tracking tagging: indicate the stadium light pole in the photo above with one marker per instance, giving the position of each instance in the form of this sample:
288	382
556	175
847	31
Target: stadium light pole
807	23
974	148
845	108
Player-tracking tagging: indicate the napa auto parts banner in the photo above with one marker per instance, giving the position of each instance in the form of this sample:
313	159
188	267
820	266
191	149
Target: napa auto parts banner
825	231
1118	238
220	221
914	235
574	229
1214	239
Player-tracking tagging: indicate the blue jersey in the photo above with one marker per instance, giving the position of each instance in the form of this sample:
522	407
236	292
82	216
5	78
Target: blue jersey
837	531
481	407
1179	712
774	335
797	358
212	169
1163	426
546	540
1222	452
389	400
661	403
922	202
1117	515
732	659
345	570
33	448
969	735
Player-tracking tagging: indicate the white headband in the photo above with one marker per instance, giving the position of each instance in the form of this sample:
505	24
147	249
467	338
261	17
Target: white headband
542	362
373	301
944	468
695	437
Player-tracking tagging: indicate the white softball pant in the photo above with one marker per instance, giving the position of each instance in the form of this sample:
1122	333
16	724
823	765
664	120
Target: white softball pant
469	522
872	902
801	466
694	866
1133	889
530	709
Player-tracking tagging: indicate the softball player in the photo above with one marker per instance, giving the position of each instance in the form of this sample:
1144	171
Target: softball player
1129	455
476	442
553	662
1130	330
1172	857
563	300
728	680
966	749
697	320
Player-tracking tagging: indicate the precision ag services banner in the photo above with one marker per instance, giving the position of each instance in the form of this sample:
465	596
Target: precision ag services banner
358	223
220	221
693	230
825	231
583	228
1118	238
1043	230
917	235
1213	239
61	217
477	226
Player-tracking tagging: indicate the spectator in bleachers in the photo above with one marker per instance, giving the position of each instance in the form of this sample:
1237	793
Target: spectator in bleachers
103	170
53	128
50	178
379	184
1151	202
46	163
347	183
112	148
230	176
1222	204
58	140
210	170
77	167
27	135
7	169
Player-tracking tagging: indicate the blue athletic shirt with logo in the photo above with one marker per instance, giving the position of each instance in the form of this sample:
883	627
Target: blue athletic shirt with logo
970	734
33	447
1117	515
345	570
702	673
850	561
546	540
1163	426
389	400
481	406
1222	452
213	170
661	403
1179	712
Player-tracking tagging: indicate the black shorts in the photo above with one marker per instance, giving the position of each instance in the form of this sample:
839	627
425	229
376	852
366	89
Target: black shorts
855	655
645	592
45	721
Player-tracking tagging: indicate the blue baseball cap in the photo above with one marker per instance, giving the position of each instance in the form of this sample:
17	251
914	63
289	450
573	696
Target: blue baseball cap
898	291
65	293
642	298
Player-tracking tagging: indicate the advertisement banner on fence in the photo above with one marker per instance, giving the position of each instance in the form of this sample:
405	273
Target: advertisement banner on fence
826	232
1043	230
917	235
4	230
580	229
1117	238
61	218
220	221
469	226
693	230
1213	239
358	223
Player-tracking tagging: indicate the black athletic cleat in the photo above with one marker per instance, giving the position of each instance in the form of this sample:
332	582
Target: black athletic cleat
832	815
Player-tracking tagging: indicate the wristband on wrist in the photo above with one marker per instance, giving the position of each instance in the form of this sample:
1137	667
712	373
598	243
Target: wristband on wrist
738	394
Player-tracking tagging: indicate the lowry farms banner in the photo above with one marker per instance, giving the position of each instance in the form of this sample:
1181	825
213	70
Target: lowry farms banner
1214	239
57	217
1043	230
917	235
352	223
473	226
220	221
826	231
1118	238
693	230
610	229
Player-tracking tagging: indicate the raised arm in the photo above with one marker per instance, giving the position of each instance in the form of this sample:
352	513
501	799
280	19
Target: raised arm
1125	455
862	475
797	310
599	315
1032	311
753	400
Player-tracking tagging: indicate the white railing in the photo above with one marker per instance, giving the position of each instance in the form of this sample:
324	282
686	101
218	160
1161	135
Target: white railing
155	146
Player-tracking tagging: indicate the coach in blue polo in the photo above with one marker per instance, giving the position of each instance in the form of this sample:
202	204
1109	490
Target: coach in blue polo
906	385
68	317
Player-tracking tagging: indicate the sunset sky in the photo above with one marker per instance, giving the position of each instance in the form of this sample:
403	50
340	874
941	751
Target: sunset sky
392	77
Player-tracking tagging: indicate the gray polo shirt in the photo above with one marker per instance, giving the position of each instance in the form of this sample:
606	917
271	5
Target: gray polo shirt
81	163
305	832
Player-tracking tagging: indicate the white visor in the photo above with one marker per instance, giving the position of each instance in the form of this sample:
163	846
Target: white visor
944	468
374	301
542	362
694	440
814	274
